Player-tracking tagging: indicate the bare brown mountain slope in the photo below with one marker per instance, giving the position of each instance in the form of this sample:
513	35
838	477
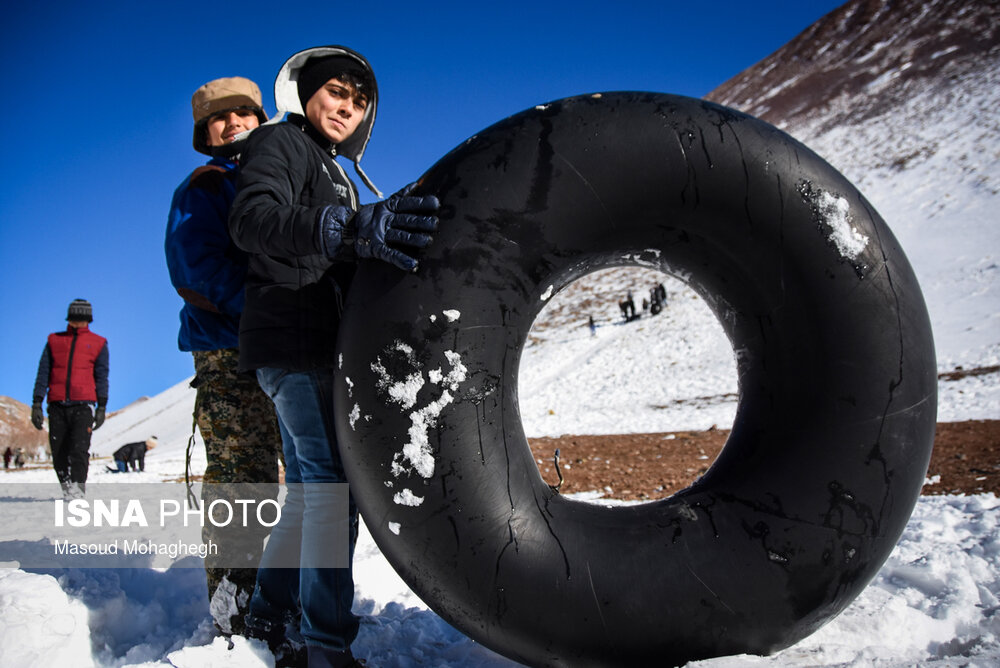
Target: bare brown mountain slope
864	57
16	430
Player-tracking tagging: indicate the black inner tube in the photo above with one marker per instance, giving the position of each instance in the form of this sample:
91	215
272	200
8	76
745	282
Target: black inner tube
837	384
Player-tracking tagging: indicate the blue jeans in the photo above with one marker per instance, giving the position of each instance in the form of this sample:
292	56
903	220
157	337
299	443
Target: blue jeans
324	596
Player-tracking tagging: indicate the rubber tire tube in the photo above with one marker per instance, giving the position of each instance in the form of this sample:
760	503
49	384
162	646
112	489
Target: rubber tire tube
835	361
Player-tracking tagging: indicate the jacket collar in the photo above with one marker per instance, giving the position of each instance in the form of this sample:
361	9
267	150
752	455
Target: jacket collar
225	162
321	140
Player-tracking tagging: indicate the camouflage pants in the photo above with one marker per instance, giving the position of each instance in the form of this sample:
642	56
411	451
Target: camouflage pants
242	444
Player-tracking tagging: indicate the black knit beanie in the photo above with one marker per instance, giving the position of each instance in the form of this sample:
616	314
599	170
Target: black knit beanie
80	309
317	71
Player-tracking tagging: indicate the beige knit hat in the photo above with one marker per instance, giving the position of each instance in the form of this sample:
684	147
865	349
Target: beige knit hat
222	95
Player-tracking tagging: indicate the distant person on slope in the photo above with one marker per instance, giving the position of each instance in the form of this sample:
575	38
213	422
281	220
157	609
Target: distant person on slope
73	371
133	455
298	215
235	418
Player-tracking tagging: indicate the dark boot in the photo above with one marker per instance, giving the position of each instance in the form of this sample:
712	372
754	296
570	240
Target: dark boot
324	657
287	653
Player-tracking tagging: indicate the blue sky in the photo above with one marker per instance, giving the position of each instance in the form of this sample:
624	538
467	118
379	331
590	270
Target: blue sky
98	124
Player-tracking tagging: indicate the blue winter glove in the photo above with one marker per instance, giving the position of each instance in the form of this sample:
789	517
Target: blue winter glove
400	220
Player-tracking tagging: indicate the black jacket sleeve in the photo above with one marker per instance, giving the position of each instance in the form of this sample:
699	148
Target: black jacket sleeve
102	366
42	378
272	213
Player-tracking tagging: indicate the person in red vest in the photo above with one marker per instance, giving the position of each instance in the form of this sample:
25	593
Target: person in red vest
73	371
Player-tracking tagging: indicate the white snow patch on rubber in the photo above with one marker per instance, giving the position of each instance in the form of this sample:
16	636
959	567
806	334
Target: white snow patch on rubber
458	371
835	213
452	315
403	392
416	454
643	259
407	498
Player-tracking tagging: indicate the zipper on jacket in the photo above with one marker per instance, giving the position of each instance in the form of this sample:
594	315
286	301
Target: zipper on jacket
350	190
330	151
69	363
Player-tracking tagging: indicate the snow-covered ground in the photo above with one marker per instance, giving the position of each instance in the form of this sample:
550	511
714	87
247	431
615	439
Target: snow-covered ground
936	601
933	603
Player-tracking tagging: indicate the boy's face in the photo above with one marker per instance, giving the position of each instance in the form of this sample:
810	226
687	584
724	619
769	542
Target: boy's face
223	127
336	110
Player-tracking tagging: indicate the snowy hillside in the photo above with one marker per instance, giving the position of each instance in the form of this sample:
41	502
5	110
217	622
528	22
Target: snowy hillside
935	178
901	98
168	416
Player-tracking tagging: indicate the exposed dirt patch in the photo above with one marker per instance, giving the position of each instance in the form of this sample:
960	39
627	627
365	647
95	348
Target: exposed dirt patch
965	460
960	373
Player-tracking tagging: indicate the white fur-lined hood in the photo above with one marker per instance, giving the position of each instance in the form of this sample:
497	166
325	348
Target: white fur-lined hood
286	100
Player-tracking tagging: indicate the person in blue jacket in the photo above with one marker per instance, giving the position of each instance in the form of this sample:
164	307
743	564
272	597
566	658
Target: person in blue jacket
236	419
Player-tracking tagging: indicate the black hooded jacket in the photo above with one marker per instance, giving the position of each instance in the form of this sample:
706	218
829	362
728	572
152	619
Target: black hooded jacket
288	175
133	454
293	293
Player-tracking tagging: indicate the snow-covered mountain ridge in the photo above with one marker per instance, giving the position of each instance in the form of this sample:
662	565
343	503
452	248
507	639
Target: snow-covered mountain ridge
866	58
901	97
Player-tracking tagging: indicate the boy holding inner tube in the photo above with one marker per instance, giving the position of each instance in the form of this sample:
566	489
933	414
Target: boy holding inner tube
298	216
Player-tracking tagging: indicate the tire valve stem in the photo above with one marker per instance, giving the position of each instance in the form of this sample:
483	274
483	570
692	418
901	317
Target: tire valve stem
555	461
